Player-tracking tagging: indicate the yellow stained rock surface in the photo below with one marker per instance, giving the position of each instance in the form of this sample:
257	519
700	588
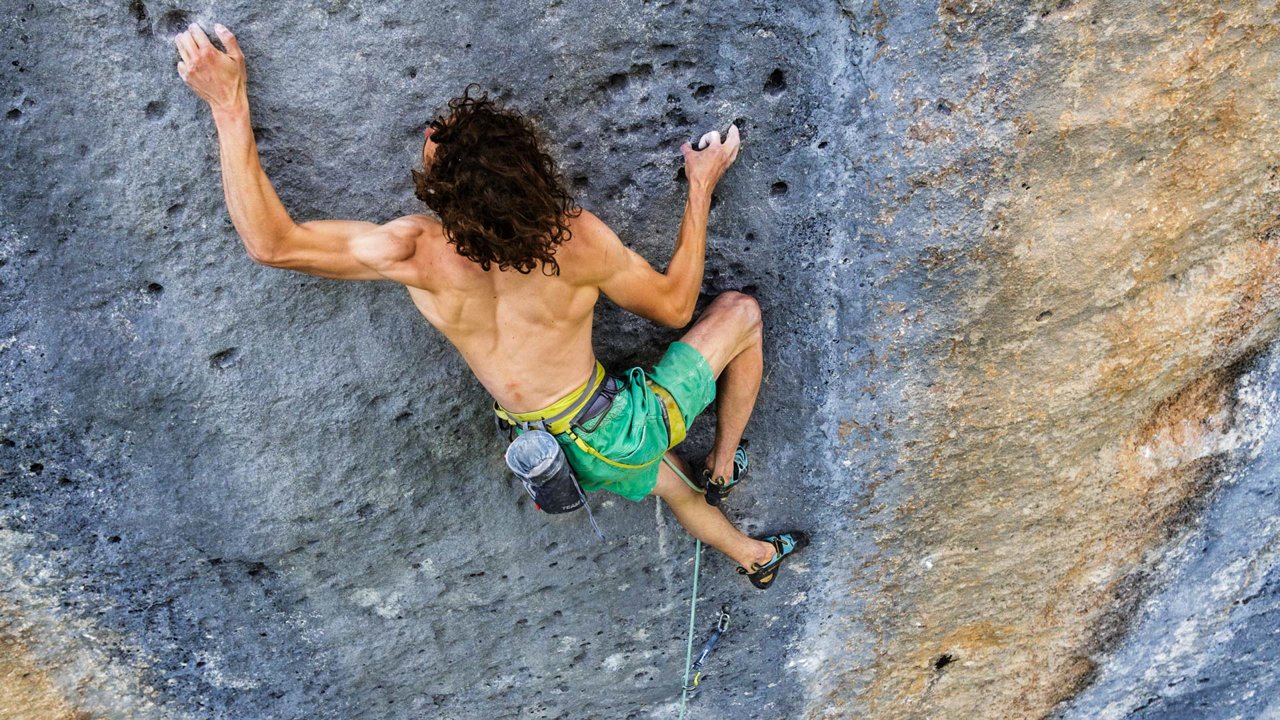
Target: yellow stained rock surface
1075	420
26	692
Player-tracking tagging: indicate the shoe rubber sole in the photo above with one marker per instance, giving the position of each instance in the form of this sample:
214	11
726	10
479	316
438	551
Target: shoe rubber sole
764	576
715	492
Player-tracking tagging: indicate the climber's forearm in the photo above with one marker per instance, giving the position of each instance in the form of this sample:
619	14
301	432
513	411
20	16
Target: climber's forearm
256	210
684	273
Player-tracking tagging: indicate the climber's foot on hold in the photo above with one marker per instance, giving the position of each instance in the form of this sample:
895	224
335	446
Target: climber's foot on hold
784	545
717	487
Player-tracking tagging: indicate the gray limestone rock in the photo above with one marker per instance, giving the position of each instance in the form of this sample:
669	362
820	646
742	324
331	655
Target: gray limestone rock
1018	269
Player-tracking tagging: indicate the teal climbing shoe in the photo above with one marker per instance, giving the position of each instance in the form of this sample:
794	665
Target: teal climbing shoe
718	489
784	545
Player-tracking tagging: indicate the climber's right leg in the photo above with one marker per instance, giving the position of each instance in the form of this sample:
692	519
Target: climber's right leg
729	334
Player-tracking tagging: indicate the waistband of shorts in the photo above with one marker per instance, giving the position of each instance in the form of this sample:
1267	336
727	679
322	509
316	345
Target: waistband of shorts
556	417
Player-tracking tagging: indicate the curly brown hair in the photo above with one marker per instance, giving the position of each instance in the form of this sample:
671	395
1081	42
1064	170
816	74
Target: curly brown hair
499	195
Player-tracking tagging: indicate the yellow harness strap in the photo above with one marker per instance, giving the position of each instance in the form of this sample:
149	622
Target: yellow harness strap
676	430
675	421
557	416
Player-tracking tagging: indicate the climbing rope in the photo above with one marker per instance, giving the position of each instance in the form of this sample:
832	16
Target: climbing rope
682	476
693	599
693	612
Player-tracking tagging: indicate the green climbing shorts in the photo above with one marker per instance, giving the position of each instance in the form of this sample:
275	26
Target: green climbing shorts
633	431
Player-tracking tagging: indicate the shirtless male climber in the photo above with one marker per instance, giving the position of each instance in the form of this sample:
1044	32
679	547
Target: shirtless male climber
511	272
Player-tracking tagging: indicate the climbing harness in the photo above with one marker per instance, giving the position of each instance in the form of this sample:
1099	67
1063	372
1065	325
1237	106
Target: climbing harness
591	400
671	417
579	405
537	458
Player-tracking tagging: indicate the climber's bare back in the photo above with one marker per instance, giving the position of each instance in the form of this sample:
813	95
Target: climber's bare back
527	337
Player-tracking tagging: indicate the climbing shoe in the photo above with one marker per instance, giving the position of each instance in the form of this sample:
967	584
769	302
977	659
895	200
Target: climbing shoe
784	544
719	488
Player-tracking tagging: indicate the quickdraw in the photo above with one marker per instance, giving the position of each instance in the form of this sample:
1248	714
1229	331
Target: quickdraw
722	624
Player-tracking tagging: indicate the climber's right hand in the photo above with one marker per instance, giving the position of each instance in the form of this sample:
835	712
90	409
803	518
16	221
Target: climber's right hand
705	166
216	76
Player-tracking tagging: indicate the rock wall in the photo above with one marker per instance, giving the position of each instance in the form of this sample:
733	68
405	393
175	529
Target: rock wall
1017	263
1095	208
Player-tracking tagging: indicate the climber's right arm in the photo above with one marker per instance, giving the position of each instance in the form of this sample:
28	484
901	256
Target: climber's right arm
256	211
338	249
628	279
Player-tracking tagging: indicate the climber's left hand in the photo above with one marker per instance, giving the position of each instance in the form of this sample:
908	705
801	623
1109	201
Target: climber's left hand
216	76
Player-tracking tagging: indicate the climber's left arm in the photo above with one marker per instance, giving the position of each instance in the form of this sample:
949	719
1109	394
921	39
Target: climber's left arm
342	249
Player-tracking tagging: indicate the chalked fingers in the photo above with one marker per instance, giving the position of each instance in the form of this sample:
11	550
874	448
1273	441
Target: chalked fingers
185	48
217	77
198	37
229	42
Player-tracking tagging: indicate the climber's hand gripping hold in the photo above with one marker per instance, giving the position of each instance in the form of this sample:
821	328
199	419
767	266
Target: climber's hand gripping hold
216	76
706	165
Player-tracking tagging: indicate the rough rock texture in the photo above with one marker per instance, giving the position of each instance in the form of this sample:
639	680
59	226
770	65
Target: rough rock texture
1074	317
1204	645
1018	266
